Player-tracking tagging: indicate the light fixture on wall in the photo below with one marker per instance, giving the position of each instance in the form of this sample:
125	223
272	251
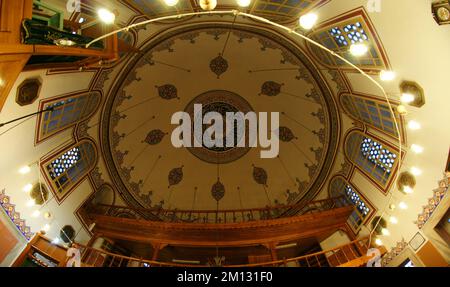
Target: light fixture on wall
308	21
30	203
385	232
417	148
106	16
403	205
378	242
407	98
46	227
414	125
24	169
412	94
416	171
207	5
35	213
358	50
393	220
171	2
387	76
28	187
243	3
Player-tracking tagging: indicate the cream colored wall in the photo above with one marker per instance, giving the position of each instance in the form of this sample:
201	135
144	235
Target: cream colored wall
18	149
418	50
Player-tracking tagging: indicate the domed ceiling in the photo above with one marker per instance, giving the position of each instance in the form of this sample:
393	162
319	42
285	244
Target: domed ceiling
227	70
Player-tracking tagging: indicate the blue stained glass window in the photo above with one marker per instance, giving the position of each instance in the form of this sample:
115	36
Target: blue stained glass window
378	155
356	200
66	169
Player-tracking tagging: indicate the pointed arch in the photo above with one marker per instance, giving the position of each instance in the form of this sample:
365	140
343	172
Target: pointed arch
374	158
364	210
67	168
372	112
339	33
67	111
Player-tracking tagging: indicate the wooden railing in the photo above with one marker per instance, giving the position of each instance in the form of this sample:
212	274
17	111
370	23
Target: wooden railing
217	216
342	256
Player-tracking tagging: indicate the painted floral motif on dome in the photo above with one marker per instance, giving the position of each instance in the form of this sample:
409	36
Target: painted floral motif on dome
155	137
271	89
218	65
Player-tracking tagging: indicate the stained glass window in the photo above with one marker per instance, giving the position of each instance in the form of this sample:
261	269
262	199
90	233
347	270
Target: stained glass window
377	154
339	186
339	37
374	113
374	159
67	168
66	112
356	199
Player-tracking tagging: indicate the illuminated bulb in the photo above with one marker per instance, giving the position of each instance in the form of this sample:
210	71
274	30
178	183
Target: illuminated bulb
413	125
30	203
387	76
81	20
106	16
244	3
36	213
416	171
308	21
171	2
408	189
378	242
392	206
208	5
47	215
55	241
407	98
385	232
393	220
416	148
403	205
358	49
28	187
401	109
46	228
24	169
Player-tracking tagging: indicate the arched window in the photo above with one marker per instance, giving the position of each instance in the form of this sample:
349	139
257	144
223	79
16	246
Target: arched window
67	111
372	112
376	160
68	168
339	36
363	209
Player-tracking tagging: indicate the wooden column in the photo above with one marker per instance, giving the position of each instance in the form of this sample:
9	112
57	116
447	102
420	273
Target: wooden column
156	248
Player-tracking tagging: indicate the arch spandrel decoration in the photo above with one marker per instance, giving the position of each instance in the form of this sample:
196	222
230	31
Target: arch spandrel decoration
375	113
67	111
340	33
376	160
363	208
66	169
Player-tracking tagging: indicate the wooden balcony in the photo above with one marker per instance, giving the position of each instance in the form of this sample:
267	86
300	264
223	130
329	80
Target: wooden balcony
14	55
316	218
353	254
